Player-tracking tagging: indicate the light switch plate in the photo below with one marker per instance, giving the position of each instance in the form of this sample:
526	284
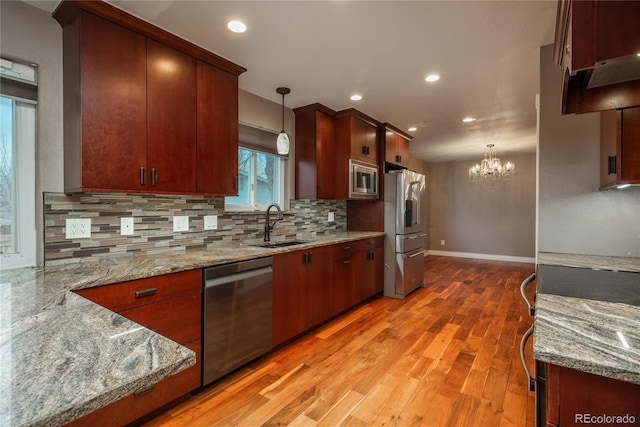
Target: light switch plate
77	228
180	223
126	226
331	217
211	222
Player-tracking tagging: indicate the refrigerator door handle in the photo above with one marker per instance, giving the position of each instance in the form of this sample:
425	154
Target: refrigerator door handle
416	254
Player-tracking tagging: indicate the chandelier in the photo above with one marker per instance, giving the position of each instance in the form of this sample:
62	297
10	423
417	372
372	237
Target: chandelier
490	169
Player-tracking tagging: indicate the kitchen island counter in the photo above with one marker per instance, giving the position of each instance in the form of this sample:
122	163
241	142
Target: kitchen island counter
587	315
62	356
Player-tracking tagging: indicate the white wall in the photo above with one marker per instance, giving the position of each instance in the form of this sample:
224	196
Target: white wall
574	216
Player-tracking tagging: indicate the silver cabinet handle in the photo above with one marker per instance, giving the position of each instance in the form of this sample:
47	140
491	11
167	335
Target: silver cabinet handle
523	342
143	175
146	292
347	261
144	390
523	286
154	177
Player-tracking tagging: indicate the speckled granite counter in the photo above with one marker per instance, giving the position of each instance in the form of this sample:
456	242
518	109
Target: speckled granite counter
602	338
589	335
62	356
590	261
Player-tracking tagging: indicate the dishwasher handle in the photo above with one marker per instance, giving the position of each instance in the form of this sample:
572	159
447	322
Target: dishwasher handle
210	283
523	286
523	342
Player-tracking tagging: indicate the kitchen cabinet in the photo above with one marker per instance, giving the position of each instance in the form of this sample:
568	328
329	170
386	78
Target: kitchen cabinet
619	147
217	133
360	132
576	397
302	291
357	272
396	145
322	167
596	43
171	306
132	111
171	119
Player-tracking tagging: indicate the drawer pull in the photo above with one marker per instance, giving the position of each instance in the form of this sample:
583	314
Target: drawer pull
347	261
346	248
144	390
146	292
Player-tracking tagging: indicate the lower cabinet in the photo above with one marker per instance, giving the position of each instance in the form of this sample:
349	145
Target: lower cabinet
578	398
302	295
311	286
171	306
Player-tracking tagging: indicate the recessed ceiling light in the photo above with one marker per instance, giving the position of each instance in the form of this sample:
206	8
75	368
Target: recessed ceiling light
469	119
237	26
432	78
412	129
356	97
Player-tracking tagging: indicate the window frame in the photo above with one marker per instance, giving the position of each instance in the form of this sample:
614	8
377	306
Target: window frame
25	122
252	206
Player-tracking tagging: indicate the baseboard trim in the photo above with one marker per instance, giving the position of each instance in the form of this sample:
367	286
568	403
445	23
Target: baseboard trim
507	258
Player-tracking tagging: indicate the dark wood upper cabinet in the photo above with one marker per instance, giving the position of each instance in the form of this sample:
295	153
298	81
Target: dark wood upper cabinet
619	147
596	43
171	119
217	116
360	132
321	164
396	143
134	120
104	105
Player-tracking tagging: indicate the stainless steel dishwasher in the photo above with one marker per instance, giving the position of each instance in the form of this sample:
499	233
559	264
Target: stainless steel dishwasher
237	315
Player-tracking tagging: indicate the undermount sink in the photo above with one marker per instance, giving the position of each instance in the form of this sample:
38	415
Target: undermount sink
281	244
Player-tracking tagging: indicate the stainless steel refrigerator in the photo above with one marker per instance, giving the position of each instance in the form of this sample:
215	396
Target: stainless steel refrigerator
404	193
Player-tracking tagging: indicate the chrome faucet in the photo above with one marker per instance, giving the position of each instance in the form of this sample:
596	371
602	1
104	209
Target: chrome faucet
268	226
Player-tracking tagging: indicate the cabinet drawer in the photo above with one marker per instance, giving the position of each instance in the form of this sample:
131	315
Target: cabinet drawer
177	318
135	406
126	295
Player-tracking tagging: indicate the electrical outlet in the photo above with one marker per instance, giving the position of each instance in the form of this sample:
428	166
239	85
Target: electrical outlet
331	217
211	222
441	242
77	228
180	223
126	226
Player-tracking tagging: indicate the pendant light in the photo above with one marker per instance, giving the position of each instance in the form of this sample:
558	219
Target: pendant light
282	143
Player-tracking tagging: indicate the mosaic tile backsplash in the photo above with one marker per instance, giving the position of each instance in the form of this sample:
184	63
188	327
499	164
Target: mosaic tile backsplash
153	224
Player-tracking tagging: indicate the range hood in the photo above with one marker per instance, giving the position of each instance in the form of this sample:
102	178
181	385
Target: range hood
618	70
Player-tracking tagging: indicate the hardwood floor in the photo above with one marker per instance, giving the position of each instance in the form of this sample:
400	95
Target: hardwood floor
445	356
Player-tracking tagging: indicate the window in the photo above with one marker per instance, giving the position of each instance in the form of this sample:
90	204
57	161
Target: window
17	165
261	172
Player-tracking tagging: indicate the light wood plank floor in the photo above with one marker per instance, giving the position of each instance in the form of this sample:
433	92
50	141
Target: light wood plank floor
445	356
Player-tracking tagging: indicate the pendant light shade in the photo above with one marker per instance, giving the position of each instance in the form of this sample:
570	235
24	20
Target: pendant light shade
282	143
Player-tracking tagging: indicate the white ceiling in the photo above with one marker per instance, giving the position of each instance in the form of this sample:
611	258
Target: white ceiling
487	53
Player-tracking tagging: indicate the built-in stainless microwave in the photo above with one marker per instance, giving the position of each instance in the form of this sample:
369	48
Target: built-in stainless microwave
363	180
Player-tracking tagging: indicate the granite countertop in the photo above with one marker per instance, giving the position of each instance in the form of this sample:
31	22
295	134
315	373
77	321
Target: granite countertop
589	335
62	356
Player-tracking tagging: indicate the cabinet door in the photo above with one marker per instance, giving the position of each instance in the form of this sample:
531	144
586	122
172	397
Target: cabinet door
171	119
396	149
346	275
111	108
362	139
371	282
289	276
217	152
630	145
332	162
302	291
